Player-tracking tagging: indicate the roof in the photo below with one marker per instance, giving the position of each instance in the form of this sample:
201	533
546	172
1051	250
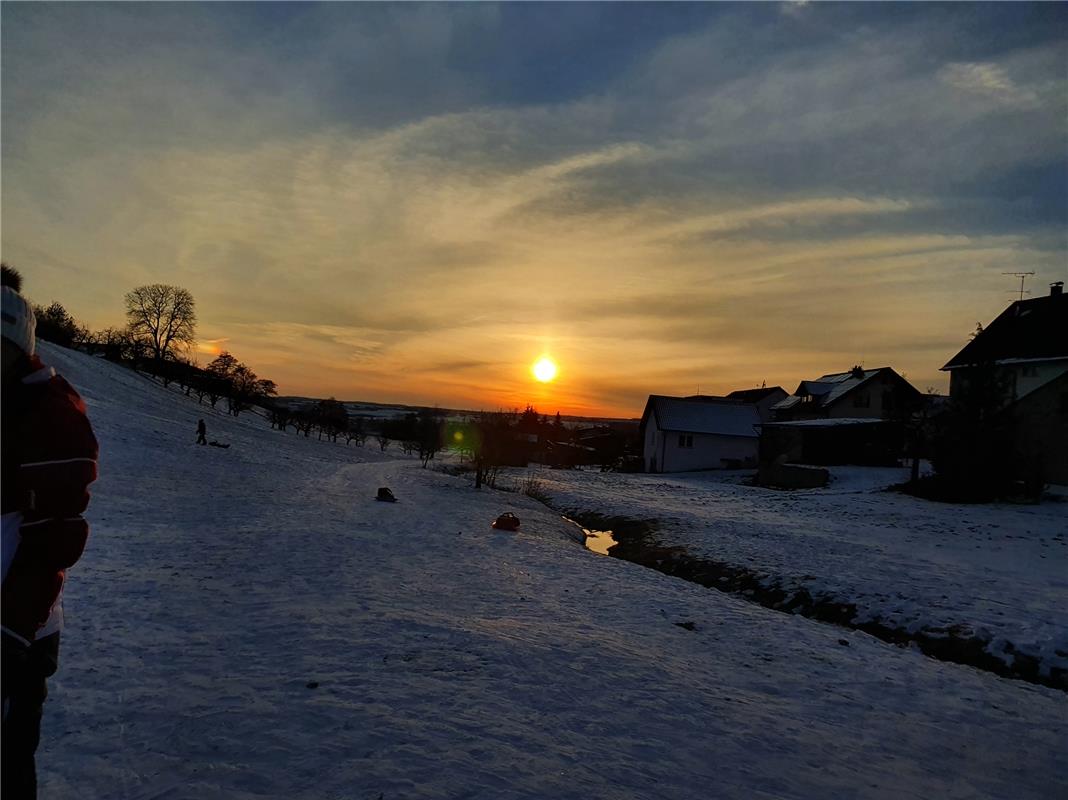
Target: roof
826	389
1028	330
833	422
714	415
754	395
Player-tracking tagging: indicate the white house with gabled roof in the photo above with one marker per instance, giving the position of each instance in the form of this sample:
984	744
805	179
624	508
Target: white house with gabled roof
680	434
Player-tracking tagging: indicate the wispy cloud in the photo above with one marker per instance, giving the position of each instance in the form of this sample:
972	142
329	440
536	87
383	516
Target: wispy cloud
990	80
362	210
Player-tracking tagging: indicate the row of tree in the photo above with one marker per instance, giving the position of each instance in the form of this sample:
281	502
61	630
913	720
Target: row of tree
160	325
158	338
422	433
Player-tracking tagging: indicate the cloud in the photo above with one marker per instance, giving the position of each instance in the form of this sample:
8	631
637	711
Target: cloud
794	8
990	80
362	209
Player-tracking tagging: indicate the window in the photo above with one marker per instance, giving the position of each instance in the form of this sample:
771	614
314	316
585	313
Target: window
861	400
1030	371
685	441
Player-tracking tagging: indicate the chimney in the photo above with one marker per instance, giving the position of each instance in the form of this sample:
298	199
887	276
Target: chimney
1056	289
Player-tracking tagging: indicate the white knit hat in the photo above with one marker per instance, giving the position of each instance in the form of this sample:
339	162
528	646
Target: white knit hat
19	323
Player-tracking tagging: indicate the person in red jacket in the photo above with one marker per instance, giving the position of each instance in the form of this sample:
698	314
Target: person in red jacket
49	459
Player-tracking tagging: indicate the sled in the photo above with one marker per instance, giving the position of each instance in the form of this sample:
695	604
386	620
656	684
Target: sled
506	522
385	495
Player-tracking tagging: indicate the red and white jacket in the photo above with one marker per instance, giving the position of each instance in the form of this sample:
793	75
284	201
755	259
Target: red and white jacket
49	459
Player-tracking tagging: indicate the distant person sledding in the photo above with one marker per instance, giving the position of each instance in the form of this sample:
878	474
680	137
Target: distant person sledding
385	495
506	522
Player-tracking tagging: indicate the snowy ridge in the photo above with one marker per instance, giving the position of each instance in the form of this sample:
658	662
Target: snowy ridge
249	623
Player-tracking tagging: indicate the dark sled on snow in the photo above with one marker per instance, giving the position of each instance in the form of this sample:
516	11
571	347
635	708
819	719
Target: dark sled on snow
506	522
385	495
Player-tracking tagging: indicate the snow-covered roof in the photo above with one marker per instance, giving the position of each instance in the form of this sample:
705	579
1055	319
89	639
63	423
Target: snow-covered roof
704	415
826	389
832	422
841	382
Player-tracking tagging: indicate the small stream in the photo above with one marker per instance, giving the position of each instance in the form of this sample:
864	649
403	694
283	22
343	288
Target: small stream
634	540
598	541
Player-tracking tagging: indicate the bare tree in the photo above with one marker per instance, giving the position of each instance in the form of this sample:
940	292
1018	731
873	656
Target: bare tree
162	316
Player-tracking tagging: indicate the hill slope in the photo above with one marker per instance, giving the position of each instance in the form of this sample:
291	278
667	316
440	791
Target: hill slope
449	660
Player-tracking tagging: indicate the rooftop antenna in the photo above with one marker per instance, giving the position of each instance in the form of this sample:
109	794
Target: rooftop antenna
1022	276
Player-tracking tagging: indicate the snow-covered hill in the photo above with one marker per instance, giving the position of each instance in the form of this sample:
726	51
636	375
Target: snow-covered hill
998	573
249	623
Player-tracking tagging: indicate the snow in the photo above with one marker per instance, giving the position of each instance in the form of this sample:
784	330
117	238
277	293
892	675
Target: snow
249	623
1000	571
828	422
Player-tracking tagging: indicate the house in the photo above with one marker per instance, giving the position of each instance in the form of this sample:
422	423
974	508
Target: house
854	417
763	398
1025	347
858	394
1038	426
1018	367
824	442
690	433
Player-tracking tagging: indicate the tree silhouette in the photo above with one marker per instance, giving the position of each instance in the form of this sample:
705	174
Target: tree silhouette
162	316
55	324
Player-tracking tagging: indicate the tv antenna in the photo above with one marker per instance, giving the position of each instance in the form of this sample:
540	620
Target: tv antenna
1022	276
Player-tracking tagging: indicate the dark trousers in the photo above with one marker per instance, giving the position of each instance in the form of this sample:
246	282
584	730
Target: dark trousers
23	677
201	438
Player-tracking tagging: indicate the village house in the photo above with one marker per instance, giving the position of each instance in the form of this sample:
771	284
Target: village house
1021	359
763	398
1026	347
858	394
691	433
854	417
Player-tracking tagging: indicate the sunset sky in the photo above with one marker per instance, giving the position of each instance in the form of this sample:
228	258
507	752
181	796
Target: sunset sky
412	203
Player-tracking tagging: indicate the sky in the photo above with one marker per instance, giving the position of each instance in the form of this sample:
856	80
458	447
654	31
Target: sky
412	203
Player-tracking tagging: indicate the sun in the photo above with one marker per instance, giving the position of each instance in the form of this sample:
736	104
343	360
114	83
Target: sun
544	369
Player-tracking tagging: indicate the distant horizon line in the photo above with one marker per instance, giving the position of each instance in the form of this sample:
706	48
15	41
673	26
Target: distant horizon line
417	406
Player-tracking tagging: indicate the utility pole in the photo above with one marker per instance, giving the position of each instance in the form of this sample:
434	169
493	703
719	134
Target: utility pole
1022	276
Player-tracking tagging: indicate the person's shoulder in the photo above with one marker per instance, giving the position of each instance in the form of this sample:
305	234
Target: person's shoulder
58	402
60	393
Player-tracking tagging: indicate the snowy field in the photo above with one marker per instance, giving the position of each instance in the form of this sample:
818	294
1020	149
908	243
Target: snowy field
249	623
999	572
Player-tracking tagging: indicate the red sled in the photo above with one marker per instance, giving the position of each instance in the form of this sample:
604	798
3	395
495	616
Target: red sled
506	522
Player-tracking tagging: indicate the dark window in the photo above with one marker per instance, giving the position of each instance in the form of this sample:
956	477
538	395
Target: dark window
685	441
861	400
